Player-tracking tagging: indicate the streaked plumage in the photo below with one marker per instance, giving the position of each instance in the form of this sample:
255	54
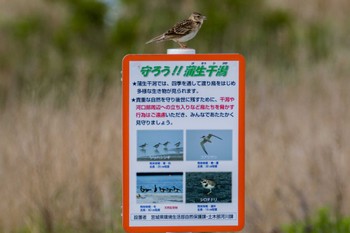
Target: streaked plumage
182	31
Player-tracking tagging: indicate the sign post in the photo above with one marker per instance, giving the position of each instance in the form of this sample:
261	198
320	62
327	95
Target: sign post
183	142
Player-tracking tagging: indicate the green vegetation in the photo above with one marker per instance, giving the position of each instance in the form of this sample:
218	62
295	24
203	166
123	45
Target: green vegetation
324	222
45	51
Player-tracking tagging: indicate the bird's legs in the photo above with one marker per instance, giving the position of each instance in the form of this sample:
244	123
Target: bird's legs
182	45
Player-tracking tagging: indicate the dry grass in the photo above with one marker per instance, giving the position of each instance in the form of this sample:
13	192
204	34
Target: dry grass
61	167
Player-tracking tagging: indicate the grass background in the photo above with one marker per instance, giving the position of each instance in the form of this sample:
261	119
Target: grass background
60	110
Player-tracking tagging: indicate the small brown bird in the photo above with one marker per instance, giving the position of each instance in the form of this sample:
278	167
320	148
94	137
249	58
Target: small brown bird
182	31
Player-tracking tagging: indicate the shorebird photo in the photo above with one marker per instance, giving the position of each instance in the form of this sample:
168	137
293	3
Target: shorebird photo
159	187
182	31
159	145
208	187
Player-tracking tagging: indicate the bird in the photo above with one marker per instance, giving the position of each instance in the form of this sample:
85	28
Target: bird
206	139
138	196
144	189
143	145
177	144
155	189
169	190
166	143
208	184
157	145
176	189
183	31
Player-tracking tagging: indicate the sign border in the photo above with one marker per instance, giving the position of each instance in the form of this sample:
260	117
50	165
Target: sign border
125	139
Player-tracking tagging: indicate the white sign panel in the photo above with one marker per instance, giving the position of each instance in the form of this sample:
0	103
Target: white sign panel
183	142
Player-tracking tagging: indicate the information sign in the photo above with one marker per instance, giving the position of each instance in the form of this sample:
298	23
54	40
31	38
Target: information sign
183	142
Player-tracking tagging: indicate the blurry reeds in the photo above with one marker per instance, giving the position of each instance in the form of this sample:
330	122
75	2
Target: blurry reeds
297	151
60	168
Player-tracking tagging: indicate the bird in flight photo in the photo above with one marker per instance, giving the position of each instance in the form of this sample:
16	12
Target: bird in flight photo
206	139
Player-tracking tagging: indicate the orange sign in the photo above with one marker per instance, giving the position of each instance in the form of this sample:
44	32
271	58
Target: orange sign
183	142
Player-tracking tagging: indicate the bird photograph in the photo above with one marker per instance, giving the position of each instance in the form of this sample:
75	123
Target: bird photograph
159	145
209	144
204	187
206	139
182	31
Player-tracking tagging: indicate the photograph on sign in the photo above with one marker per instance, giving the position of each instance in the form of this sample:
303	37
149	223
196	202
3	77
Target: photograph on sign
183	143
204	187
159	145
159	188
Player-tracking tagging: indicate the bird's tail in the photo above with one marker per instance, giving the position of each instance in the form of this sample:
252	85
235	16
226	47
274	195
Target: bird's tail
156	39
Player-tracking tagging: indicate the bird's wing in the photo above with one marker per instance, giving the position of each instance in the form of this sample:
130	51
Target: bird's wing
157	39
182	28
203	147
210	135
